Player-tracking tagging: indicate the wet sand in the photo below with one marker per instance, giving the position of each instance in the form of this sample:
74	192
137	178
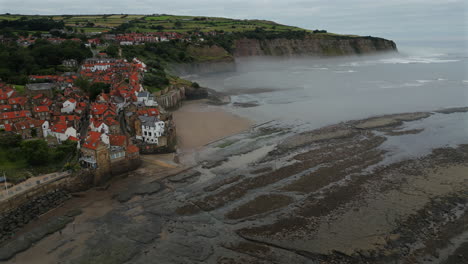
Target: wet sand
275	194
199	124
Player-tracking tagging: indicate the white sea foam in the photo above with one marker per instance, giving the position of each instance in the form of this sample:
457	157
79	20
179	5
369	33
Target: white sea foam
424	81
434	58
403	85
348	71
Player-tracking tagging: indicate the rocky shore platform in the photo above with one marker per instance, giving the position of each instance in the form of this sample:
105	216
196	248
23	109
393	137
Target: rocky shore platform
387	189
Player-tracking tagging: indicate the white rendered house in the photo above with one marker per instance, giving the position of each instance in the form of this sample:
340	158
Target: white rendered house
151	129
69	106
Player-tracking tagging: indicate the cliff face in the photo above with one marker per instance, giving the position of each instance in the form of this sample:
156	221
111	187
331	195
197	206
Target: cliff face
209	59
214	59
313	46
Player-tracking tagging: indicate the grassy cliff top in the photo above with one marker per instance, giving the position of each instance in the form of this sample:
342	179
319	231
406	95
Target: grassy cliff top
151	23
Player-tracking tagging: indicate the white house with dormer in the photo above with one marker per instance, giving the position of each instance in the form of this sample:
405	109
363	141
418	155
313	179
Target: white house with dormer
62	132
147	98
69	106
98	126
151	129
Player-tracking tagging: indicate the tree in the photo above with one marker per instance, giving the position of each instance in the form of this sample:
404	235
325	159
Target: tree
9	139
195	85
36	152
159	27
178	24
96	88
83	84
112	51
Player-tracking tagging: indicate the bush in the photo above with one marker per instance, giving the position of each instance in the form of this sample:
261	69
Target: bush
36	152
9	139
195	85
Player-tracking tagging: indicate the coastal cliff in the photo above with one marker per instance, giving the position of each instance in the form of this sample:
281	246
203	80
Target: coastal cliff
212	59
313	46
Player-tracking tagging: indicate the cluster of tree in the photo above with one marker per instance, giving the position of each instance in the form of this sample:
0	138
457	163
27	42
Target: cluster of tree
112	51
35	152
17	62
124	27
173	51
92	89
319	31
158	27
33	24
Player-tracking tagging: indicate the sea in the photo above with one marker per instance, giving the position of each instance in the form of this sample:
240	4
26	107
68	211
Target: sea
323	91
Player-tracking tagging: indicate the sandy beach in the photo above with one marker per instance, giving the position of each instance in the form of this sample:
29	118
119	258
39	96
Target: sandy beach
199	124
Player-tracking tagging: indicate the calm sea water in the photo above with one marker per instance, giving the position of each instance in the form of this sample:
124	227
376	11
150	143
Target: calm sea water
326	91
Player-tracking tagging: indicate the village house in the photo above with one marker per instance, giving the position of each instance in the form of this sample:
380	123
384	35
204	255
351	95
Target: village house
13	117
29	129
18	103
69	120
98	125
5	108
94	153
41	112
72	63
62	132
146	98
151	129
69	106
6	92
117	147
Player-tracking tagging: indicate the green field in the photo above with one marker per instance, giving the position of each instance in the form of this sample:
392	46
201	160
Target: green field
205	24
169	23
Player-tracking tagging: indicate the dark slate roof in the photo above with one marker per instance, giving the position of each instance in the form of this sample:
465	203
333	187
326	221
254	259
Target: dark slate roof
149	120
39	86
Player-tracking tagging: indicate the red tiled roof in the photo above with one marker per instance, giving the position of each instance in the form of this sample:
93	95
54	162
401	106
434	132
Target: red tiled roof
73	138
132	149
149	112
46	101
110	121
38	96
41	109
18	100
117	140
96	122
8	127
59	128
15	114
5	107
27	124
93	140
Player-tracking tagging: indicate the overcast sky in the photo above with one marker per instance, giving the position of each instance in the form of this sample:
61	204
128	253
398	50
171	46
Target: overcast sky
401	20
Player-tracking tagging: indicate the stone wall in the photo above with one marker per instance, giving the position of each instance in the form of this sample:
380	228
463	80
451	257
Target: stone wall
17	212
102	176
21	209
172	99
